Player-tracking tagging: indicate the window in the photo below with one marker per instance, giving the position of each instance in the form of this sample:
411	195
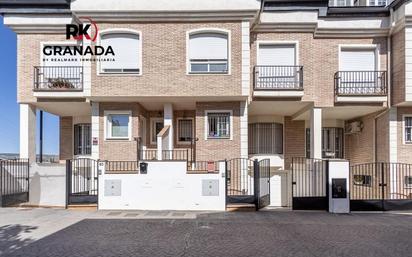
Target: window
156	125
82	139
362	180
265	138
358	59
184	130
408	181
118	125
218	125
408	129
332	143
208	53
277	65
127	50
377	2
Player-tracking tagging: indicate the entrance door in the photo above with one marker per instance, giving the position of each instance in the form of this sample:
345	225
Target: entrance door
82	181
240	181
262	181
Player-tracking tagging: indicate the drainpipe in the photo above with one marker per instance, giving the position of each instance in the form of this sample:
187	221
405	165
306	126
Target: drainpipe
41	137
257	20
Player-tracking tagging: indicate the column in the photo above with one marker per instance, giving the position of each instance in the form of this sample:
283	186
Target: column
244	130
95	130
316	133
168	121
28	132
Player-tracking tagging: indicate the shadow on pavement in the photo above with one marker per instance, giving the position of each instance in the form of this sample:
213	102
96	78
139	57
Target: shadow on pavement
11	238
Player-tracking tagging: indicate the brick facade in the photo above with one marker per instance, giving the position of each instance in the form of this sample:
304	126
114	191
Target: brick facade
66	138
320	60
217	149
294	143
164	64
404	150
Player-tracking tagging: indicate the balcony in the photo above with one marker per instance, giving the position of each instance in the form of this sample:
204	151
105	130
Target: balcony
361	86
58	78
278	81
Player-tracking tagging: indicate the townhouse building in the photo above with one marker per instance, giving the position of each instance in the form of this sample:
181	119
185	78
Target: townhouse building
213	80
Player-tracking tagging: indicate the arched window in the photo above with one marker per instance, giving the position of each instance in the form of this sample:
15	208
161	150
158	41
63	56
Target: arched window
127	49
208	52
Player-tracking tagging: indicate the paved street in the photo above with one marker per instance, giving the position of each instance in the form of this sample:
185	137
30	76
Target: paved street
44	232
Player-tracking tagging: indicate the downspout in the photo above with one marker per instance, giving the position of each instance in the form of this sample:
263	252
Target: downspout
257	20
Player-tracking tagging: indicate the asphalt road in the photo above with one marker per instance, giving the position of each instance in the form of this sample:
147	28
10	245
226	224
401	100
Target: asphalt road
223	234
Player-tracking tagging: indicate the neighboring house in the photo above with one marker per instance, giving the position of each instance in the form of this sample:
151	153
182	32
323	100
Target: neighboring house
222	79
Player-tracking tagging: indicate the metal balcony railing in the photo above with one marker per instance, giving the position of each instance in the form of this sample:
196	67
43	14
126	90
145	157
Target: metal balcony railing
361	83
58	78
278	77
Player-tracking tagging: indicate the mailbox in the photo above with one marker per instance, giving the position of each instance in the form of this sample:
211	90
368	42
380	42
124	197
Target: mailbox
143	168
338	184
339	189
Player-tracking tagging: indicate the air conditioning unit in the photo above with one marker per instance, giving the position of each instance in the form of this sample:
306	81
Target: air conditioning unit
354	127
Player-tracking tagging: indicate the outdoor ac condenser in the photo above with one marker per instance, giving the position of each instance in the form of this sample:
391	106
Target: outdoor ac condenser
354	127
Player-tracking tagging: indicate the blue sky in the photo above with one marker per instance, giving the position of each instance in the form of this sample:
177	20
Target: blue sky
9	109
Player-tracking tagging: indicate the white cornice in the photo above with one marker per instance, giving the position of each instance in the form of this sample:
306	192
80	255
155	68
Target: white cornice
164	16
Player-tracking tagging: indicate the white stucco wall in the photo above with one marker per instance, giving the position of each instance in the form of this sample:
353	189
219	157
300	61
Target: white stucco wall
281	189
166	186
47	185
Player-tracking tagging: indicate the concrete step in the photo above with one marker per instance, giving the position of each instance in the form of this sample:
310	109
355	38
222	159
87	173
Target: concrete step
241	207
82	207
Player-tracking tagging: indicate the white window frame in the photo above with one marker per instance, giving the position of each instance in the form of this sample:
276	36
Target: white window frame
404	129
207	124
107	123
360	47
152	127
269	43
121	31
229	50
177	130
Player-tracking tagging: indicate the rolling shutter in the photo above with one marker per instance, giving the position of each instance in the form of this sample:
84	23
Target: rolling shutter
126	49
357	60
208	46
277	55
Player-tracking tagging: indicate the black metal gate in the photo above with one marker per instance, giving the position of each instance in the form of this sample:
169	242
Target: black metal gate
82	181
248	182
381	186
262	183
14	182
309	184
239	181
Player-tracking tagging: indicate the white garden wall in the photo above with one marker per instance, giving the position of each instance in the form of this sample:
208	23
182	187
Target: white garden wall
47	185
166	186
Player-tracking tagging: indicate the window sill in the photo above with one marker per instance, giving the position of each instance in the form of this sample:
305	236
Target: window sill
125	74
212	138
208	73
117	139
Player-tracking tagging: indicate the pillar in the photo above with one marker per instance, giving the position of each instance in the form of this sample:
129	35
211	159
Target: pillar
316	133
28	132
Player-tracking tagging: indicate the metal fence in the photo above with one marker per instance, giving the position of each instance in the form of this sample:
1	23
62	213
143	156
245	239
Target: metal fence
82	180
122	166
309	184
360	83
278	77
381	186
14	181
58	78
